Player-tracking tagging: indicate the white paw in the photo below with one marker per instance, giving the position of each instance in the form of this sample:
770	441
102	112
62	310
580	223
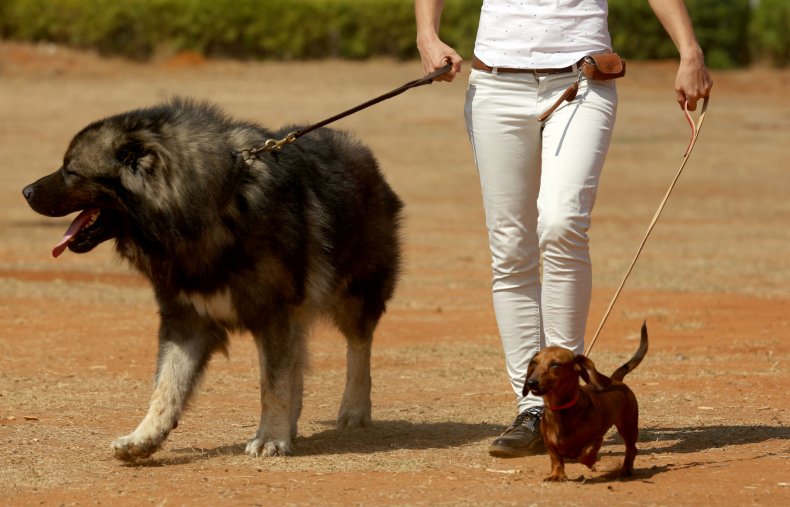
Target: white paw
258	447
130	448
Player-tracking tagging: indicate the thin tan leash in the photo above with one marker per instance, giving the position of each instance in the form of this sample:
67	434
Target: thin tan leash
695	128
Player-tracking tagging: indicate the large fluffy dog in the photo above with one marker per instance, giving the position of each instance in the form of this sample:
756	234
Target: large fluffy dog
264	244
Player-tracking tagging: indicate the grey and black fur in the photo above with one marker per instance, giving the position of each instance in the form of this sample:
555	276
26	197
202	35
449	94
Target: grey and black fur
264	246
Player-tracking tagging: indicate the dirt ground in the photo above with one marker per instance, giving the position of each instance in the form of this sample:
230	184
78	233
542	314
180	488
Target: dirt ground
77	334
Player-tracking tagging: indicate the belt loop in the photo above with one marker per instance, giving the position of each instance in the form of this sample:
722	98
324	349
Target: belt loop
495	71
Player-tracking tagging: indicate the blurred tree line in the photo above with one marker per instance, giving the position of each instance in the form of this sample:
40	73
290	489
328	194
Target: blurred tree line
733	33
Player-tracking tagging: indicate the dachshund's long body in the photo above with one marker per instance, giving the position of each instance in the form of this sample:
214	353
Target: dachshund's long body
576	418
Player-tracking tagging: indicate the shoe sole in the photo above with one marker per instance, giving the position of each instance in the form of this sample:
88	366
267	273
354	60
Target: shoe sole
501	451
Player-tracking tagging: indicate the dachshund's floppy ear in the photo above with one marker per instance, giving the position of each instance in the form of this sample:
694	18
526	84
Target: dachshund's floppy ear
587	371
530	371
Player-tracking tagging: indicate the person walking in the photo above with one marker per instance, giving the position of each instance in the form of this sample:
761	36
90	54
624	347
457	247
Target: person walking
539	179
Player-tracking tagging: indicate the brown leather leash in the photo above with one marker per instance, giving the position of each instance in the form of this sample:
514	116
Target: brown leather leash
274	144
598	67
695	128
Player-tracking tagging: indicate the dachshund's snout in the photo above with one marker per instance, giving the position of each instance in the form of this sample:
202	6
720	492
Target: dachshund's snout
531	384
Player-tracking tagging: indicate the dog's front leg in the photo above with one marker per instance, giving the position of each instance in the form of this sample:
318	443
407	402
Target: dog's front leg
557	466
589	453
185	346
281	356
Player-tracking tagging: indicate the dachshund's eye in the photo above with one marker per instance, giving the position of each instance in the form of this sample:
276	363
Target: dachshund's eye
554	365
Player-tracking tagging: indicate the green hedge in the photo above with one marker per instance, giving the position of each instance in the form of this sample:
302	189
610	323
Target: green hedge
276	29
731	33
770	32
721	27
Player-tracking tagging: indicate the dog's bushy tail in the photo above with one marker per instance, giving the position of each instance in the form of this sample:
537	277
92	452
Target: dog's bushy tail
628	367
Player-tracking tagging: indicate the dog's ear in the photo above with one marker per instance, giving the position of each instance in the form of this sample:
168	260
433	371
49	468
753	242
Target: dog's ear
137	155
531	367
530	371
130	151
586	369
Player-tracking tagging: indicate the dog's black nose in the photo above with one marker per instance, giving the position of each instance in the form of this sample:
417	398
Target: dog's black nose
530	384
28	192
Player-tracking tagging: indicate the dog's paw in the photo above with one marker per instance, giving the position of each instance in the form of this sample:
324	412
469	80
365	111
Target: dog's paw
258	447
353	418
624	473
554	477
129	448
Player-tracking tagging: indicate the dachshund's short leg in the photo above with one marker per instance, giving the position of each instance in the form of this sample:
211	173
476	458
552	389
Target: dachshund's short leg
629	430
557	468
589	453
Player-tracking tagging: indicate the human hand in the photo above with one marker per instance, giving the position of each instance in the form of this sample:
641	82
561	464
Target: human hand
435	55
693	81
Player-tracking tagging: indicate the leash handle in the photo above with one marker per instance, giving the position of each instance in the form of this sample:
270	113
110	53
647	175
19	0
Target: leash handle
428	79
272	144
695	129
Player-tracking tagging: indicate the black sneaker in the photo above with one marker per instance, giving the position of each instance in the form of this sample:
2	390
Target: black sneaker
522	438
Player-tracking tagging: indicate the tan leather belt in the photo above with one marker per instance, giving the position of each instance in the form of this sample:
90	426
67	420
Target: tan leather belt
477	64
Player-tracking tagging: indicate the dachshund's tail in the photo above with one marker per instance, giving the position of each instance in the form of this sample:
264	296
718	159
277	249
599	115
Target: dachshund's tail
628	367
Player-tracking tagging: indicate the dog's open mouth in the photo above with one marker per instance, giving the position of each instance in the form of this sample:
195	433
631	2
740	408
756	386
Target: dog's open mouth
82	235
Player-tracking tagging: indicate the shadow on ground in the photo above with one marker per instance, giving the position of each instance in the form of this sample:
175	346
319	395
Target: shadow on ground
699	438
382	436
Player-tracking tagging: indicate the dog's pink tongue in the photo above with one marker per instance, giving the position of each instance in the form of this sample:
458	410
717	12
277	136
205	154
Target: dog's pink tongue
83	220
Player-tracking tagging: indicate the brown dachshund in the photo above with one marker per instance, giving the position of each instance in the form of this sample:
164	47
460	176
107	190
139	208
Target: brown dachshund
575	417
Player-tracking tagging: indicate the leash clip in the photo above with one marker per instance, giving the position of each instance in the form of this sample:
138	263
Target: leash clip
272	145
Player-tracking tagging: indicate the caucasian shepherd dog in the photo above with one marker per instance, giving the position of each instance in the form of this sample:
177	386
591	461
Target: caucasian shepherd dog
229	244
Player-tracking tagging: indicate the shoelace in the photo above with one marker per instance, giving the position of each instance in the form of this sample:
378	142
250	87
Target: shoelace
528	416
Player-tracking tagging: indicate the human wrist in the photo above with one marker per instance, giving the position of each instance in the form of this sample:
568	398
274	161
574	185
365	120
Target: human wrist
429	45
692	53
426	38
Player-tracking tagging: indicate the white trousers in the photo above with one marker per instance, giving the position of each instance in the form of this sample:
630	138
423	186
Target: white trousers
539	183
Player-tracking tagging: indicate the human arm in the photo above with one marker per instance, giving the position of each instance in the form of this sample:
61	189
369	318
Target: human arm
693	81
433	52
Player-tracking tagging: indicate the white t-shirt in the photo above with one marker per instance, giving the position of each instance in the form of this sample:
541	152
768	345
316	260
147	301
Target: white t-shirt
541	34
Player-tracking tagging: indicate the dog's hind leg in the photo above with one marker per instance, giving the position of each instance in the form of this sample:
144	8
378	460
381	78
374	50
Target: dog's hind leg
185	346
355	407
629	430
357	319
281	352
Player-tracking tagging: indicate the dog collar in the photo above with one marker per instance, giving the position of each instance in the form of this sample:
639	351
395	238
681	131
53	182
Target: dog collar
567	405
